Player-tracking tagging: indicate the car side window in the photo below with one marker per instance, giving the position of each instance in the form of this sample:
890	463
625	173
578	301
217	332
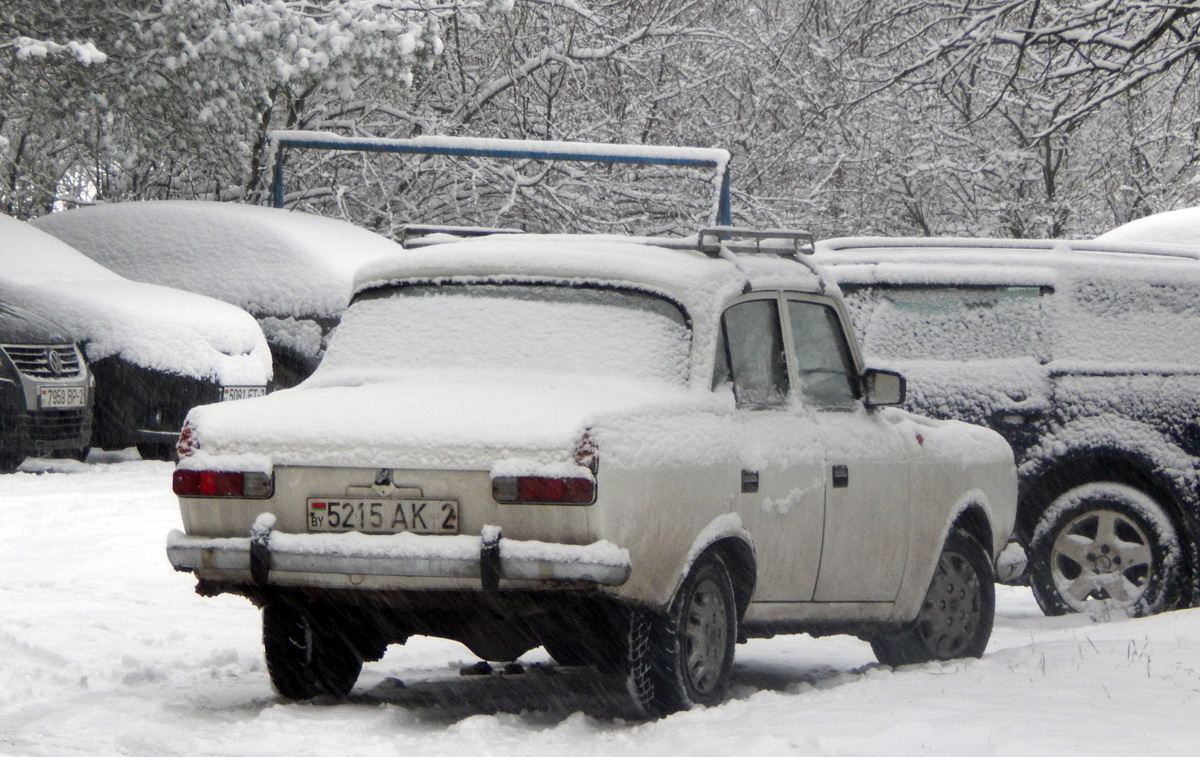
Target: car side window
823	364
751	354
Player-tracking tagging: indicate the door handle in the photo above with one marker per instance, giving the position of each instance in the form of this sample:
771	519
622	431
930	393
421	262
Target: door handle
749	481
841	476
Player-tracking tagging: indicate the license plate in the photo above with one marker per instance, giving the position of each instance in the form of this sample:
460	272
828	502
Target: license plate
62	396
383	516
229	393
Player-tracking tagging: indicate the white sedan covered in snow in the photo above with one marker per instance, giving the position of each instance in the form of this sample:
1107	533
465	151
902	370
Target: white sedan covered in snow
155	352
628	452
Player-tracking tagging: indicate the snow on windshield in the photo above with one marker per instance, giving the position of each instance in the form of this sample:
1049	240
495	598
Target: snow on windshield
151	326
266	260
511	328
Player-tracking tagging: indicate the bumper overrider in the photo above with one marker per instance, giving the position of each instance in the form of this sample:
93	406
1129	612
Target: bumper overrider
396	561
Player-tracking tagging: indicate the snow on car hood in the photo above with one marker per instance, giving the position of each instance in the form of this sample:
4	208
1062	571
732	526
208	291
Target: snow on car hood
267	260
423	419
151	326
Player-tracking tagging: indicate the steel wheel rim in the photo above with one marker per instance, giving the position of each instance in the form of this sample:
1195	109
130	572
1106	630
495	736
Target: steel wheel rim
706	636
952	611
1101	556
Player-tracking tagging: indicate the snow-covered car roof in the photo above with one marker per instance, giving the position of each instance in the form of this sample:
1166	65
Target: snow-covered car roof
947	260
266	260
152	326
697	281
1172	227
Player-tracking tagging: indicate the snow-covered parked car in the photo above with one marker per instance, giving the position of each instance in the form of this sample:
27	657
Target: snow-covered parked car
1085	356
155	352
631	455
292	271
1170	227
45	389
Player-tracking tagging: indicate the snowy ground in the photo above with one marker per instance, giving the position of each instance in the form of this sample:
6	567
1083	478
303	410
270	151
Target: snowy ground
105	650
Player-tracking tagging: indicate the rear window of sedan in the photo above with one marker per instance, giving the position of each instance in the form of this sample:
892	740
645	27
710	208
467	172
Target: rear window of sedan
507	327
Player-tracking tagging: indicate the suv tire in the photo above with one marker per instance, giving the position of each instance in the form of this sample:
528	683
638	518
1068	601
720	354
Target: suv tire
1102	548
957	613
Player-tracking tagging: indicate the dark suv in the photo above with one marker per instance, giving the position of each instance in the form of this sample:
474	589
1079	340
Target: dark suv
45	390
1086	358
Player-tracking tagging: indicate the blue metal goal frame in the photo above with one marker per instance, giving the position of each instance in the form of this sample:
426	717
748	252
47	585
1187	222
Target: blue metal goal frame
712	158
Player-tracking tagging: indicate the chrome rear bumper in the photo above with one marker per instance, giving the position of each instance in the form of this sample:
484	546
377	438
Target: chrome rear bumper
397	561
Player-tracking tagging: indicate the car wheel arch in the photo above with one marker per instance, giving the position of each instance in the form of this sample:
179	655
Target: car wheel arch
1053	477
974	521
726	537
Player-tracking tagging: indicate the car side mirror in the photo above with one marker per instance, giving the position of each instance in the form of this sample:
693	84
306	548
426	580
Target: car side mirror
883	387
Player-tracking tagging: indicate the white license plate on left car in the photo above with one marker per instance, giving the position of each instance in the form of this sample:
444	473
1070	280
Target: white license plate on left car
229	393
62	396
383	516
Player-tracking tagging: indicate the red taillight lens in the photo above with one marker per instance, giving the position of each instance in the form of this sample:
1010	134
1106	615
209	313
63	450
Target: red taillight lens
543	490
206	483
187	443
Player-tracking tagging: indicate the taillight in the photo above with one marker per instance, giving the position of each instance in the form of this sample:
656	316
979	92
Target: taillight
543	490
187	443
207	483
586	454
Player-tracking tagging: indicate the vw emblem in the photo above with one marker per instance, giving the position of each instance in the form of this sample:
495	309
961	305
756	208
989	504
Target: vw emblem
55	361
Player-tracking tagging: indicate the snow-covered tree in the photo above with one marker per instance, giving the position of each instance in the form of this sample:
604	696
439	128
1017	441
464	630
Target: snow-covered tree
143	98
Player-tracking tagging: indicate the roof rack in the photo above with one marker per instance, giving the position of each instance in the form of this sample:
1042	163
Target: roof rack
412	234
1159	249
781	242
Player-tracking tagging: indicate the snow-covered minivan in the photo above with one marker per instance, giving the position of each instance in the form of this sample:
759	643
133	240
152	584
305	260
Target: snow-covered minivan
1085	356
631	452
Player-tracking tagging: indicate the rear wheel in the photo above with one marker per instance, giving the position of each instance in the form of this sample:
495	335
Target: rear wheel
9	462
569	652
157	451
303	659
685	657
1103	548
956	616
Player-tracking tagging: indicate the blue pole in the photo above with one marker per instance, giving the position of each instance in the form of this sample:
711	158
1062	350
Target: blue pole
401	146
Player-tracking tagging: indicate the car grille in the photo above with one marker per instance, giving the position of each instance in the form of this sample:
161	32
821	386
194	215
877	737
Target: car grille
56	361
55	426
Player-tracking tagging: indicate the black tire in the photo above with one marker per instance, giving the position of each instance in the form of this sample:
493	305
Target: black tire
685	658
569	652
157	451
956	616
303	660
1103	549
10	462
